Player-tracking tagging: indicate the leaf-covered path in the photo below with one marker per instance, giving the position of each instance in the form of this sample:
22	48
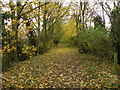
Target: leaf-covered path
61	67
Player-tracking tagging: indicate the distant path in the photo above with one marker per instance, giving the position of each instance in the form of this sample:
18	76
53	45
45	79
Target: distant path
62	67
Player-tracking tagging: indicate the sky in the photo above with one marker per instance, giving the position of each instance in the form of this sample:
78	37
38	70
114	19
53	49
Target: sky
65	0
98	9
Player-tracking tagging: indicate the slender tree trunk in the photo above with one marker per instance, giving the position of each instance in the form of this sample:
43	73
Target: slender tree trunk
103	15
44	29
16	17
118	50
14	28
38	41
77	27
83	11
16	25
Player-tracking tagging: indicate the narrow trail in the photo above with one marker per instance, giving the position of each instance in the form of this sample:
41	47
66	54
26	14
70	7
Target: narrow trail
65	71
61	67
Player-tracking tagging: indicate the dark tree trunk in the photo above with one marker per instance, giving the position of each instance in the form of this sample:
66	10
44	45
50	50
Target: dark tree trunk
118	50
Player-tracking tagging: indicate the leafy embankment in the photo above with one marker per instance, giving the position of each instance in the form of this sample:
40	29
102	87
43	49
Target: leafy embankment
62	67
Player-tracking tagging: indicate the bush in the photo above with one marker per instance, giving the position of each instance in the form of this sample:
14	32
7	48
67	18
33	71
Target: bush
50	44
72	41
27	52
7	54
96	42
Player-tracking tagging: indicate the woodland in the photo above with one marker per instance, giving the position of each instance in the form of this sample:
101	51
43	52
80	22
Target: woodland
60	44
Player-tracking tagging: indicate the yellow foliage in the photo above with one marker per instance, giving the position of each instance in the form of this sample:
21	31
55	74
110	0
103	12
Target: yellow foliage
33	49
29	50
30	27
8	12
24	52
11	4
4	37
10	26
32	23
5	48
69	30
8	50
25	21
13	11
16	8
13	48
5	42
13	41
37	10
14	21
12	33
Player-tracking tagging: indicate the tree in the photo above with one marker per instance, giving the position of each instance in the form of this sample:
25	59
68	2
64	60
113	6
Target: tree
83	14
69	32
30	26
98	22
113	14
115	32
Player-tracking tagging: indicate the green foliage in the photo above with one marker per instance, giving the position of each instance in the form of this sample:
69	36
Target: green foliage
98	22
69	33
115	30
5	61
50	44
7	54
57	34
115	63
96	42
41	33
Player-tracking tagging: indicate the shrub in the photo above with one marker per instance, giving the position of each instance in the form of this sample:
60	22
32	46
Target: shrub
50	44
27	52
7	54
96	42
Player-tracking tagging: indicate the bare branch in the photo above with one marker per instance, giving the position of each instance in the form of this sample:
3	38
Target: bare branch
107	12
34	8
108	6
22	8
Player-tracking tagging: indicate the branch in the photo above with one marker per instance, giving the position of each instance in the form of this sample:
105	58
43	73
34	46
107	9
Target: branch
35	8
51	14
58	19
107	12
22	8
108	6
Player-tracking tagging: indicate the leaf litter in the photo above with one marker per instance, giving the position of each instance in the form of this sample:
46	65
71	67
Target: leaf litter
62	67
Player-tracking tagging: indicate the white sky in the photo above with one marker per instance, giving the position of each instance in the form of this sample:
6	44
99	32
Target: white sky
98	9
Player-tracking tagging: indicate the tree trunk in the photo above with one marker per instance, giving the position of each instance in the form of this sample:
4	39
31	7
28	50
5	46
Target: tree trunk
14	28
44	30
118	51
38	41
